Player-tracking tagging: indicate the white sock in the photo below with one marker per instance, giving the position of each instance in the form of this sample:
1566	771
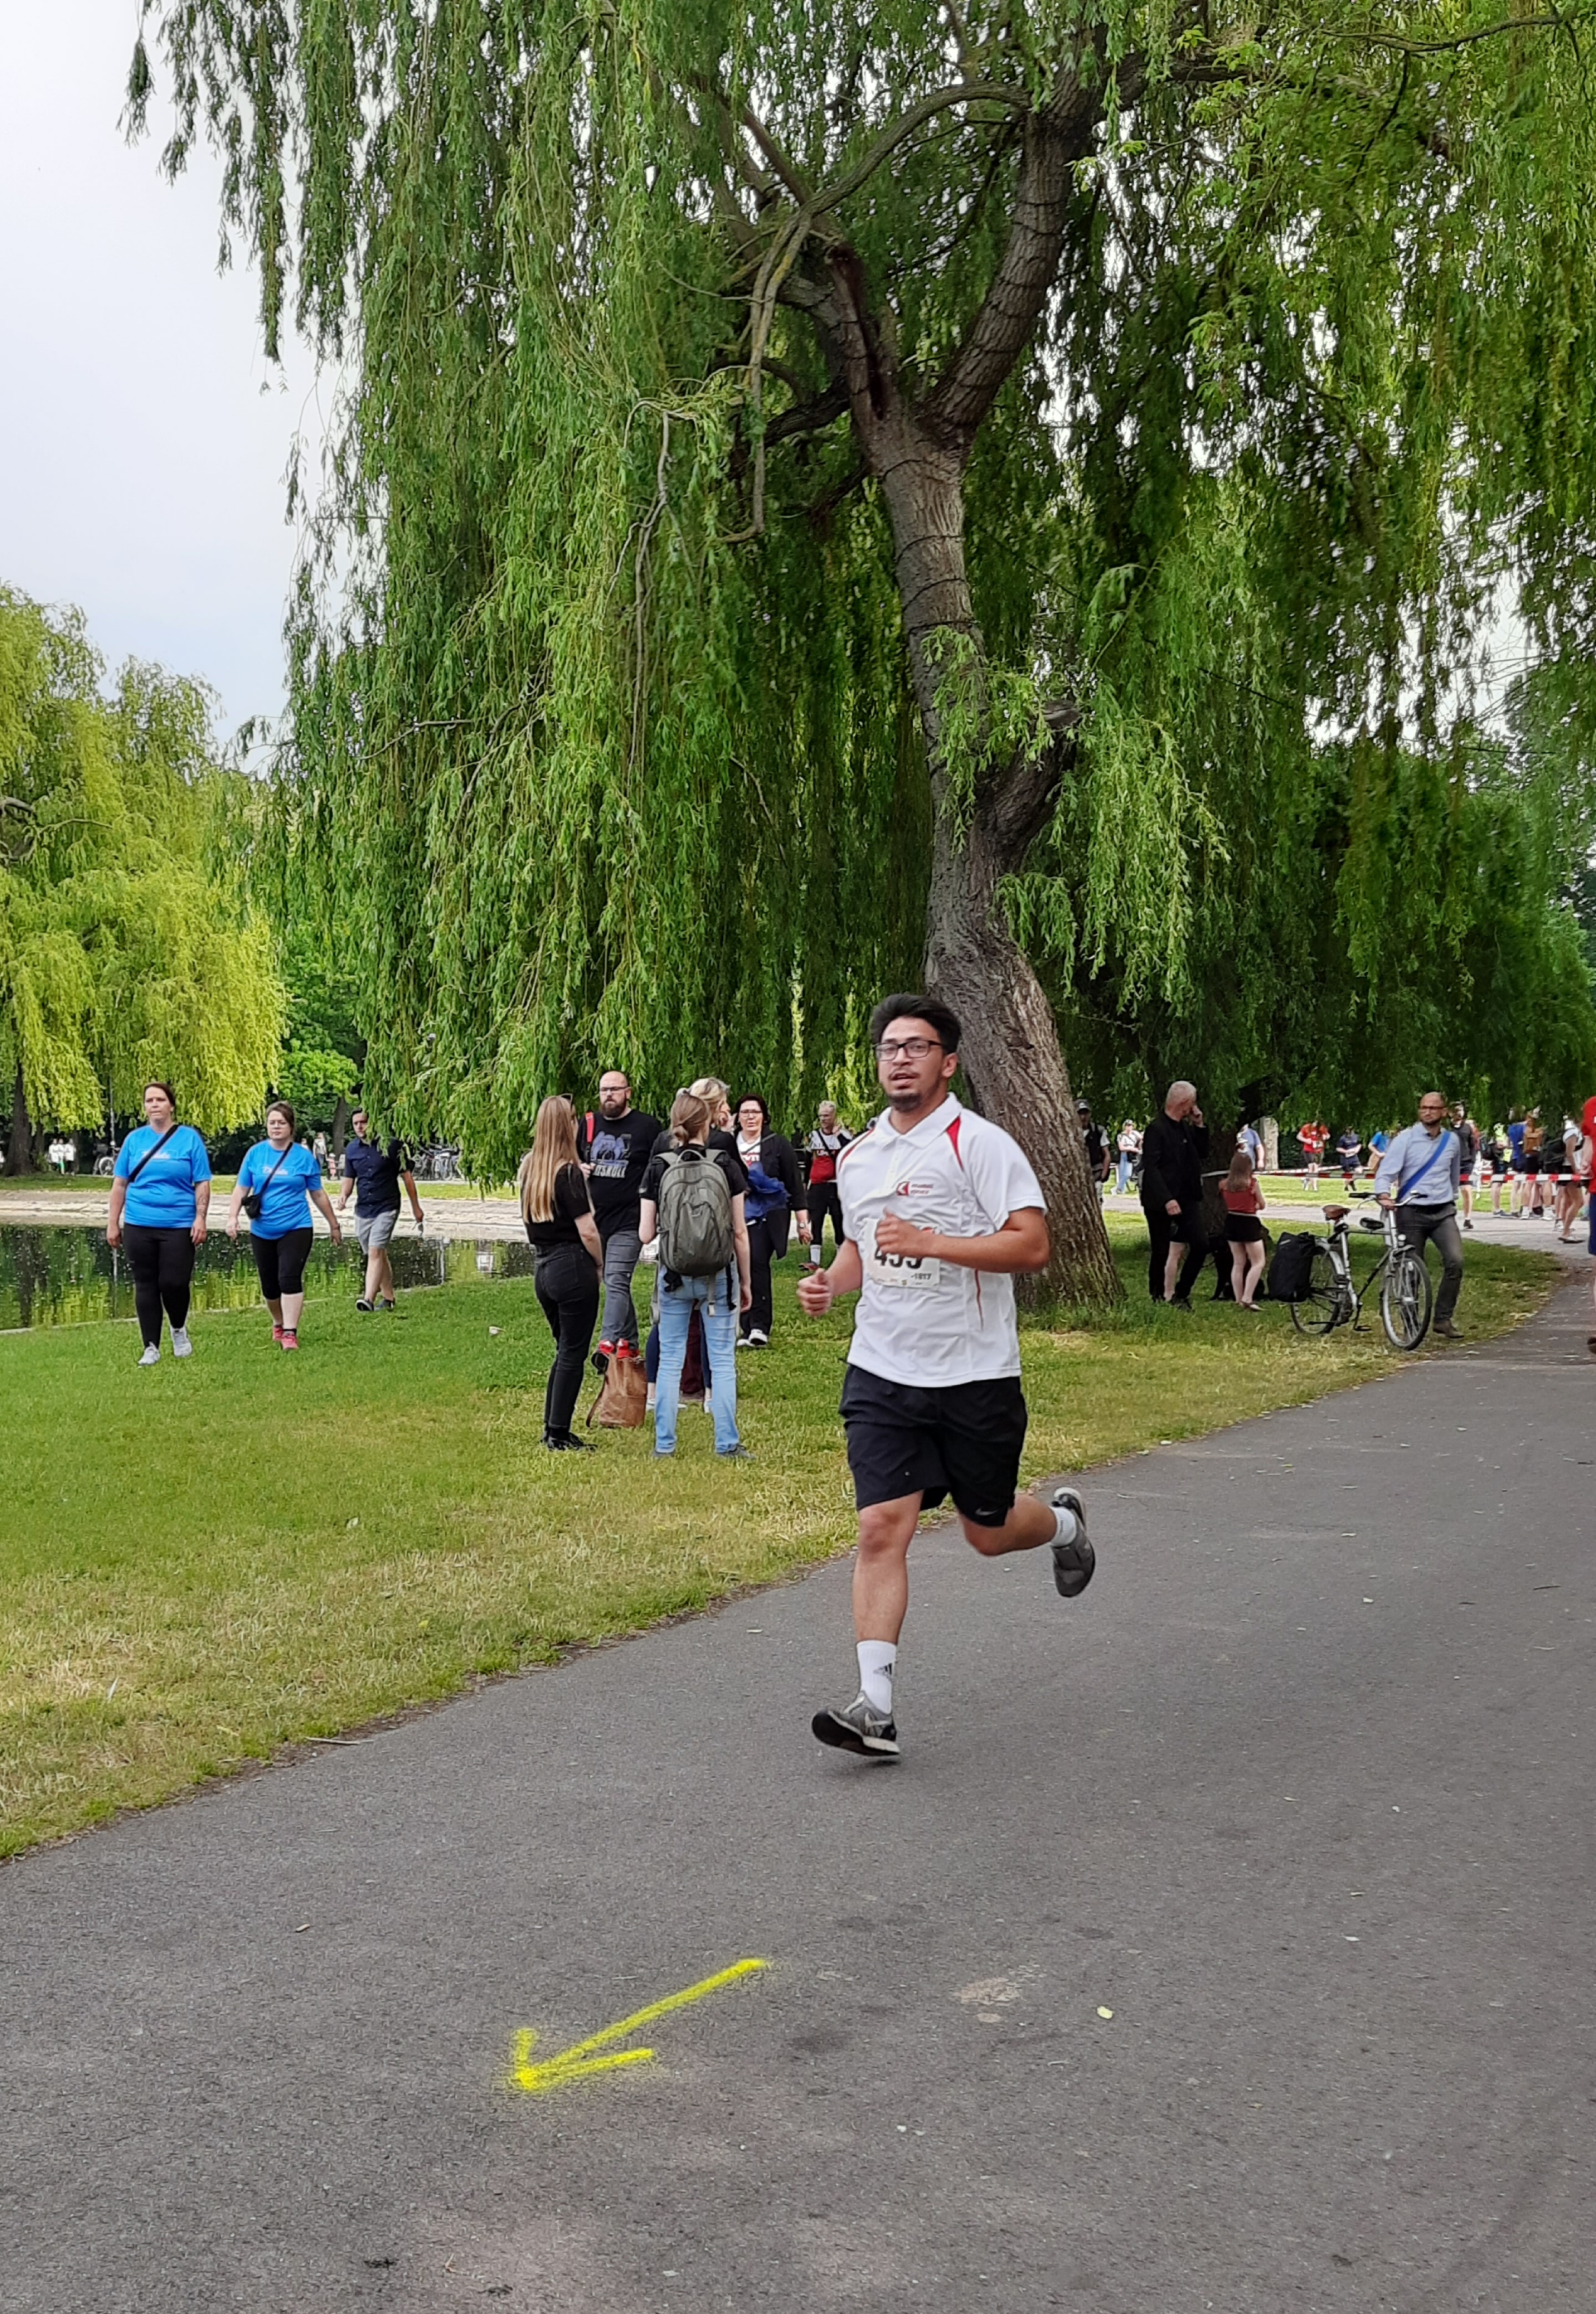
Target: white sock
877	1658
1065	1524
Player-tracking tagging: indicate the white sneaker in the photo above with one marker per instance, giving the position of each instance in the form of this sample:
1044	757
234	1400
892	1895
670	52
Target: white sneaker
182	1347
152	1356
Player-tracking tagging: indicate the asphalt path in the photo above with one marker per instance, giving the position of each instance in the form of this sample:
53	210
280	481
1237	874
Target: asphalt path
1223	1940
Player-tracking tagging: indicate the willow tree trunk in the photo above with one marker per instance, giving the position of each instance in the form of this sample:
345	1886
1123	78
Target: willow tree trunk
19	1154
1010	1050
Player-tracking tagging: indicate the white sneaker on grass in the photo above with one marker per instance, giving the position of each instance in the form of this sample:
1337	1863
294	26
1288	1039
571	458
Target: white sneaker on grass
182	1347
152	1355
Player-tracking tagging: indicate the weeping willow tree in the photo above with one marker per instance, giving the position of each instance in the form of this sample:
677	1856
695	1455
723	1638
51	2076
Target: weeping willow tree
126	950
827	493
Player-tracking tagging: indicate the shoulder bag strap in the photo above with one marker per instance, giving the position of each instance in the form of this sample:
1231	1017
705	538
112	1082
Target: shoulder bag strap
1433	1158
148	1153
275	1169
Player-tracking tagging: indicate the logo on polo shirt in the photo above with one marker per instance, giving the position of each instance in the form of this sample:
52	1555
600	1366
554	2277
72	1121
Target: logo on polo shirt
915	1189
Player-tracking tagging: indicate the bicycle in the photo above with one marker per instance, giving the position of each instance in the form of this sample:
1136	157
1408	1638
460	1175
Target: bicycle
1331	1298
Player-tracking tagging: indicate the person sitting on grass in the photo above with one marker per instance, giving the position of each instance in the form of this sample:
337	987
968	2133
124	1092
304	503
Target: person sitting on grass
1244	1232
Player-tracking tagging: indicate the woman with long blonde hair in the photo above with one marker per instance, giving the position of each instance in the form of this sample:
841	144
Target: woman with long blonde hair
558	1216
714	1226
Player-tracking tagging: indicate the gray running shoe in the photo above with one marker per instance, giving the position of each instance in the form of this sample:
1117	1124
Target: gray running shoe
182	1347
152	1355
1074	1563
861	1728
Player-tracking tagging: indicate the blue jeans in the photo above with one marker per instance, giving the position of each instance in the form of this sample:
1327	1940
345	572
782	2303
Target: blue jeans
1124	1173
717	1302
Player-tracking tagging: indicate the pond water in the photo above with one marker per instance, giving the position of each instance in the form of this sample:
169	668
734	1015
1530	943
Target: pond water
64	1275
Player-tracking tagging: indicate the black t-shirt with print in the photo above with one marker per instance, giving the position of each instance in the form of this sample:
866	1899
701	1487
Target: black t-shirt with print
618	1151
570	1201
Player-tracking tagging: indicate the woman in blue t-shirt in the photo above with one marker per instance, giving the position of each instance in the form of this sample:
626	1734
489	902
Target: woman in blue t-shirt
160	1195
287	1180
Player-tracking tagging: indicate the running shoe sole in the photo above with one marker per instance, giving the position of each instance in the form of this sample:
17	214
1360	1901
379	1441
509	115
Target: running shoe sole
1074	1563
877	1743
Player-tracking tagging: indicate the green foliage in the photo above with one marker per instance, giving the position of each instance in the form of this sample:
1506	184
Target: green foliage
602	746
123	955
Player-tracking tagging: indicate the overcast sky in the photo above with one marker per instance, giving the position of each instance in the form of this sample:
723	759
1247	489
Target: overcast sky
145	439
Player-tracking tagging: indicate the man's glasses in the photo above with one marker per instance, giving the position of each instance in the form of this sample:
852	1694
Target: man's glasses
910	1049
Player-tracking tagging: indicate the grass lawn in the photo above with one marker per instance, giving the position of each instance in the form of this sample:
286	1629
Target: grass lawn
202	1562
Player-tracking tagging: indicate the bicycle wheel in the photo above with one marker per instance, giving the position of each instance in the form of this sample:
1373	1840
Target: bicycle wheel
1404	1297
1323	1302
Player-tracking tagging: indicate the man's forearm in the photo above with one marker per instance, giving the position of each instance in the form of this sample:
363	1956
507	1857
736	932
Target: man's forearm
1003	1254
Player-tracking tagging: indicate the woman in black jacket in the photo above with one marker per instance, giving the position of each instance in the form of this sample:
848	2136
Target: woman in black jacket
776	1193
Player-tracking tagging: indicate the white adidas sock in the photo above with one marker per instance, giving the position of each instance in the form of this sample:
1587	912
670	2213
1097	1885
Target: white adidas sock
1066	1526
877	1659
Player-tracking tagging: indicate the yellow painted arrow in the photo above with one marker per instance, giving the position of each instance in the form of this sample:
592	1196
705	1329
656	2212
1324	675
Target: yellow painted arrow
572	2063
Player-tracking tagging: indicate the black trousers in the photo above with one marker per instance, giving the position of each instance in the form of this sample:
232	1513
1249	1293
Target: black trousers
163	1264
767	1243
567	1289
824	1197
1162	1230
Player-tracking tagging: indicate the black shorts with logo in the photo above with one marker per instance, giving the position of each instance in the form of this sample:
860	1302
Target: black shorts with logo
964	1440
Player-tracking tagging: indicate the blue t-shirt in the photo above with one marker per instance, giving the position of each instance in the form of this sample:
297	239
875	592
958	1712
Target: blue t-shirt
285	1205
162	1197
1515	1137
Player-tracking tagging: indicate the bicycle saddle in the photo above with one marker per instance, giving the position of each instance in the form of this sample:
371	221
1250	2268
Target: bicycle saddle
1368	1222
1336	1213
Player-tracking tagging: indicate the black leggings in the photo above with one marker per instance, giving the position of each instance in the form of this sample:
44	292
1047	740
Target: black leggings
163	1264
280	1261
567	1289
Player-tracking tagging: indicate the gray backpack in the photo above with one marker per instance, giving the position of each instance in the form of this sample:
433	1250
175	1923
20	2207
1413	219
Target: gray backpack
695	1232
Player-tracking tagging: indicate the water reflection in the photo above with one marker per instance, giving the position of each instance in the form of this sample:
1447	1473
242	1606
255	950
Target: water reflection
62	1276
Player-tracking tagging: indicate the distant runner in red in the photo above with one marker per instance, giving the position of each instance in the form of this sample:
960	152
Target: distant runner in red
942	1211
1313	1137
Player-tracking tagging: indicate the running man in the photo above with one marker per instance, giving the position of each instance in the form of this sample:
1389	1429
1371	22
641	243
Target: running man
940	1211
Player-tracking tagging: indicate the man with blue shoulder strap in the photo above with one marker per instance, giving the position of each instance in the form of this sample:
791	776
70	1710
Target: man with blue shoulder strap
1418	1175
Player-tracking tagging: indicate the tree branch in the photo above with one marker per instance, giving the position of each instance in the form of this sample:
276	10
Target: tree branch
1016	808
1055	140
1394	41
977	91
809	416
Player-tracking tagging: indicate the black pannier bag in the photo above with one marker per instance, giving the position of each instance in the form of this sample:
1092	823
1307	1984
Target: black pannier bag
1290	1269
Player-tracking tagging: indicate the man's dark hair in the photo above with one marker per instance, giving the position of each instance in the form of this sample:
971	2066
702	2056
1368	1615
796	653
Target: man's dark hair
907	1007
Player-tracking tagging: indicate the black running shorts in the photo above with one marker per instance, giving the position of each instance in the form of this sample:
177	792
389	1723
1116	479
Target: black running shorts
964	1440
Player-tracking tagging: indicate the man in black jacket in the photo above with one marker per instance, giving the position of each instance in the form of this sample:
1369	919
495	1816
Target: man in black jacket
1173	1149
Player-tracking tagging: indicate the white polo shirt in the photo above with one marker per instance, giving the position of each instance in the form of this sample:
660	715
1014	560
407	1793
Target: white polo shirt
933	1323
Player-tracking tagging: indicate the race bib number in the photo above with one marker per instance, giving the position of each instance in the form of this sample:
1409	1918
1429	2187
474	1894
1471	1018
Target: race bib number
903	1273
